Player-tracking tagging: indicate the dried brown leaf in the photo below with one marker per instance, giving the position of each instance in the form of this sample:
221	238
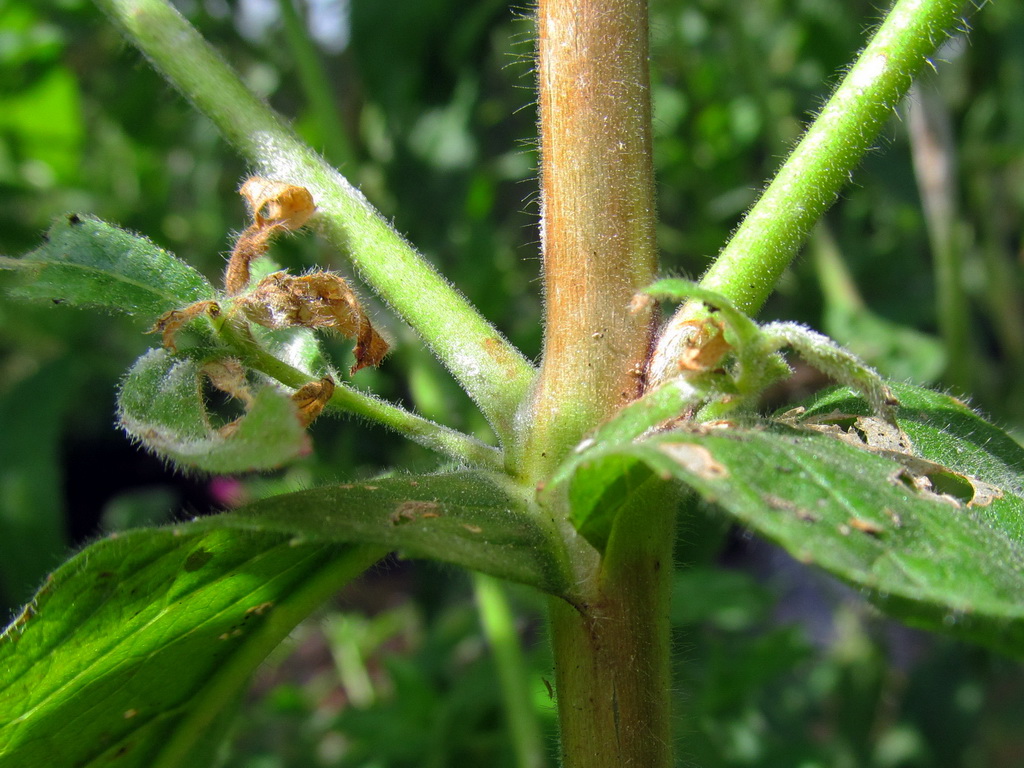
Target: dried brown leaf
276	207
277	203
316	300
251	244
169	323
706	348
312	398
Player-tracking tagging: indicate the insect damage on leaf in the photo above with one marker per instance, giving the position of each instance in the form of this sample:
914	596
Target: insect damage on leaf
228	375
411	511
878	435
694	458
163	403
278	301
706	348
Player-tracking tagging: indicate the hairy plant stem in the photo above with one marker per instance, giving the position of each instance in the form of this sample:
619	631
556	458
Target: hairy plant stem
611	653
611	648
491	370
773	230
347	399
597	229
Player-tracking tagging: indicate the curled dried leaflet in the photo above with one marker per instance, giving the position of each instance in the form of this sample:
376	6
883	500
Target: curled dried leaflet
169	323
275	207
279	300
316	300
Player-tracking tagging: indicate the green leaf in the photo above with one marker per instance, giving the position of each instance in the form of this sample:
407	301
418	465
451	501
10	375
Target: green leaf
929	522
87	263
945	430
596	505
469	518
136	648
161	405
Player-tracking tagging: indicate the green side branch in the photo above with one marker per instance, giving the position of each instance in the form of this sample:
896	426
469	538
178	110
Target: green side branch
498	622
806	186
489	368
348	399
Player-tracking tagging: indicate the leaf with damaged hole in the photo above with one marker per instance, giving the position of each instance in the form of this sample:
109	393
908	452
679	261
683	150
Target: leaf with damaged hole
85	262
944	430
468	518
133	651
161	404
927	520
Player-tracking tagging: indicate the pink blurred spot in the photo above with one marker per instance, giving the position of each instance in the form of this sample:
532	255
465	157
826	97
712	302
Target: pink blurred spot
228	491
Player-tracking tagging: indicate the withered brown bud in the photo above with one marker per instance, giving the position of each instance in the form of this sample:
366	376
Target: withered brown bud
169	323
312	398
316	300
275	207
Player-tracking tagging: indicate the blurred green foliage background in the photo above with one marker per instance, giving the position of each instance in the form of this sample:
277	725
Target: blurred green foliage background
428	106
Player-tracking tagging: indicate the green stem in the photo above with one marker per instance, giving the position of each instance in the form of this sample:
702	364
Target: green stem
611	646
316	86
347	399
491	370
612	665
499	626
807	184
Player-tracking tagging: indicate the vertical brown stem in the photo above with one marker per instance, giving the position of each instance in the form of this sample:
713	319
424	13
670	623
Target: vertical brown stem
611	650
598	215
